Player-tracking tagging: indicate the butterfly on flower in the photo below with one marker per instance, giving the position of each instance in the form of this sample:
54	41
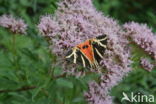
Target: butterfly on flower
89	53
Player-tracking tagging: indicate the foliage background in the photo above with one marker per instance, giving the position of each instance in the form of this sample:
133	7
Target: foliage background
27	61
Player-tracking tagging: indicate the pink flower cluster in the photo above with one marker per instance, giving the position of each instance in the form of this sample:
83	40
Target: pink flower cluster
93	95
47	26
146	64
78	20
16	26
142	36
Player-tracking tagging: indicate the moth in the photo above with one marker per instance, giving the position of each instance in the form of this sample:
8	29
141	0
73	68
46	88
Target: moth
89	53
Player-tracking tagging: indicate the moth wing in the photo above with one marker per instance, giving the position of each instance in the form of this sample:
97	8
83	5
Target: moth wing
70	56
80	58
102	39
99	49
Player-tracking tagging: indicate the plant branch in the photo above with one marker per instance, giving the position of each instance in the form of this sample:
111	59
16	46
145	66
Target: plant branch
25	88
60	76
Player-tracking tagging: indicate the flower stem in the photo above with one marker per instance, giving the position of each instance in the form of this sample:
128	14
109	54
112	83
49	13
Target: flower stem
14	50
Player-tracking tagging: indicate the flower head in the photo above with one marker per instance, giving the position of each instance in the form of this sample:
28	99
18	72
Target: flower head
16	26
146	64
76	21
93	95
47	26
142	36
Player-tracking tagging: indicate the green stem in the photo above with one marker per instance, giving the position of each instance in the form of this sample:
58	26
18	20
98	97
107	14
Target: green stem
24	88
14	49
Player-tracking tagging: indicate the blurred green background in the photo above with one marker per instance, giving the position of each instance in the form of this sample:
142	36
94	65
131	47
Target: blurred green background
27	61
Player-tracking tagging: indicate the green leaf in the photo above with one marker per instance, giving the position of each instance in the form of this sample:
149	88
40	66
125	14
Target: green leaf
64	83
